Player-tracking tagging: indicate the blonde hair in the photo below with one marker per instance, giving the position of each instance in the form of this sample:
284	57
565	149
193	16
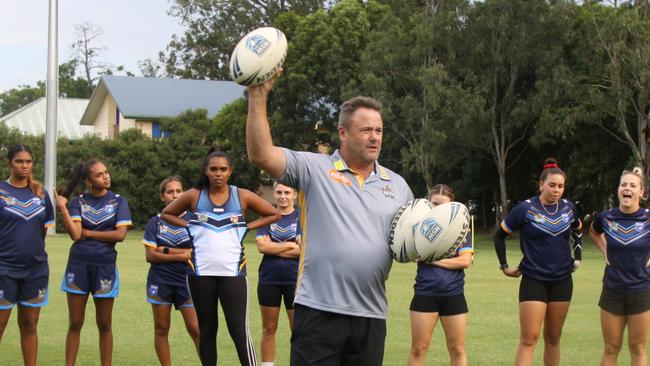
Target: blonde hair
639	173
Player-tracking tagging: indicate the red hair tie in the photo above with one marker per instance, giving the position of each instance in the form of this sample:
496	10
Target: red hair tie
552	165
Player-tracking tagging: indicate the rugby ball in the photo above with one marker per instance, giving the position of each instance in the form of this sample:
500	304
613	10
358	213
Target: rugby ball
441	231
400	238
258	56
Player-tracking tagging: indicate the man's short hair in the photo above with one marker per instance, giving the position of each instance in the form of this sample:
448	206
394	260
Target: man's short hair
351	105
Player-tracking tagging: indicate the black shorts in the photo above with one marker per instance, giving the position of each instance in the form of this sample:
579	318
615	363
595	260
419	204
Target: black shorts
159	293
624	303
26	287
531	289
321	338
271	295
443	305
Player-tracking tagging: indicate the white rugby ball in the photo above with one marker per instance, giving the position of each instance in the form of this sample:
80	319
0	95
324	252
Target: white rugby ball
406	219
258	56
441	231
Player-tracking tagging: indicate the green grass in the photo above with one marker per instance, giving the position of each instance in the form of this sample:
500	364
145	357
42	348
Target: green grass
491	340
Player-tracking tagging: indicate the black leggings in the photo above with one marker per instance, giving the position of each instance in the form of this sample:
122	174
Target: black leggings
232	293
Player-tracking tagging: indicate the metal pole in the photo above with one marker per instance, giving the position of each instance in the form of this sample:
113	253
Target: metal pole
52	98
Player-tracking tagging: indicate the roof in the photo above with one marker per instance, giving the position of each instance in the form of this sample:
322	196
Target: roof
31	118
153	98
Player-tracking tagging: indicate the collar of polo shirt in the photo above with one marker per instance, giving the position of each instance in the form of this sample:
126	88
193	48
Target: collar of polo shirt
341	165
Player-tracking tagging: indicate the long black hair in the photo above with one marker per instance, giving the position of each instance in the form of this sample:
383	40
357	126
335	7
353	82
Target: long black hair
213	152
35	186
78	174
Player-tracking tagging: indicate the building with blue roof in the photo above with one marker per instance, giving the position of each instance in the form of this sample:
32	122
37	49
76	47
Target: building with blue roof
122	102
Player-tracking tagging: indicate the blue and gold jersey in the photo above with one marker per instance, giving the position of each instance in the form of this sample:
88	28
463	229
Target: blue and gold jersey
159	233
628	249
276	270
544	237
24	219
432	280
105	213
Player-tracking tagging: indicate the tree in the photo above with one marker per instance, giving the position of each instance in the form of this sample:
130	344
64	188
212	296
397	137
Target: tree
215	27
16	98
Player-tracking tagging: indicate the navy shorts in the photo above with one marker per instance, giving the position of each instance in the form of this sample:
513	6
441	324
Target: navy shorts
443	305
159	293
101	280
271	295
27	287
531	289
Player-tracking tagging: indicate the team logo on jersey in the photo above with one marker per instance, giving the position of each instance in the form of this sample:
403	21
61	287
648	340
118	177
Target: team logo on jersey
164	229
234	219
339	177
109	208
70	277
388	191
105	285
639	226
41	293
612	226
10	201
565	217
538	218
218	209
153	290
202	216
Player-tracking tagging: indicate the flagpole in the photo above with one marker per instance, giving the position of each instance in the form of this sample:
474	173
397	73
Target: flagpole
52	98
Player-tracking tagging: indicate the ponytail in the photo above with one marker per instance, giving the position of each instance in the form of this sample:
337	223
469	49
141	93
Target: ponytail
78	174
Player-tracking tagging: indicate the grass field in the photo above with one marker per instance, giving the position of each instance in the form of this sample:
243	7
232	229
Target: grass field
491	340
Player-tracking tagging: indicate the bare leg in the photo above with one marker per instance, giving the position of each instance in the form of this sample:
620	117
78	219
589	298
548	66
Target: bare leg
76	316
613	327
270	316
422	326
638	326
4	319
556	313
191	324
104	319
27	323
161	320
531	317
455	328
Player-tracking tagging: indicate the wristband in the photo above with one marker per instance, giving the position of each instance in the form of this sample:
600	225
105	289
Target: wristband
166	250
503	266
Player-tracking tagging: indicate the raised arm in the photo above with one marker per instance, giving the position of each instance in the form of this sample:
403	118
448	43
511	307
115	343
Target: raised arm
73	228
259	143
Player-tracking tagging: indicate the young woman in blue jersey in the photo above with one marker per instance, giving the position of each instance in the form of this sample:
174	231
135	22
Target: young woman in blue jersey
169	250
439	293
623	235
96	221
218	260
280	244
548	224
25	214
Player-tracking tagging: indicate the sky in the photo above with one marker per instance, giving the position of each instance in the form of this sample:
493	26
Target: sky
133	30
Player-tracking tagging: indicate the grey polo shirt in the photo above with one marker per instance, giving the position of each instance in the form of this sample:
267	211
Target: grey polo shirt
345	258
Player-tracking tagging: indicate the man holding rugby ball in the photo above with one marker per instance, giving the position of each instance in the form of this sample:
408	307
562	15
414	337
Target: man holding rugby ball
347	202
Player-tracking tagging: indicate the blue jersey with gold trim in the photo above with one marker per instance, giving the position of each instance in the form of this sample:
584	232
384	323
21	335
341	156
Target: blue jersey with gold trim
628	249
24	219
105	213
160	233
432	280
544	237
276	270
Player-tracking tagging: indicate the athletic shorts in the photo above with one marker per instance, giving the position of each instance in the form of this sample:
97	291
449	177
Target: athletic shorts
101	280
443	305
271	295
322	338
26	287
165	294
624	303
531	289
